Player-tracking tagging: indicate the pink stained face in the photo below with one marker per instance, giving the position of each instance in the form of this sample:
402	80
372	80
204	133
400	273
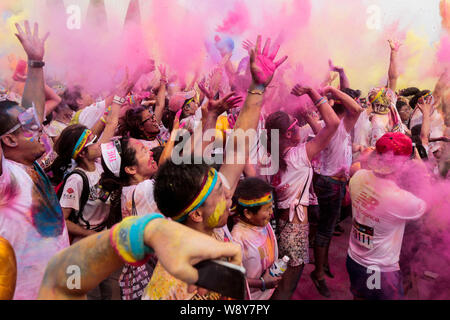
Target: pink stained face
146	165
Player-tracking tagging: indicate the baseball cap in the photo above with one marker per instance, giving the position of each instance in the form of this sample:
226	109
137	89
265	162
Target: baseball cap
389	148
396	142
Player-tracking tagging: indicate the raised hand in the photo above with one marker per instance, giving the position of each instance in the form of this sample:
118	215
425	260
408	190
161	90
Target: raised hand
220	106
299	90
33	45
424	106
333	67
148	66
262	64
394	44
162	71
248	45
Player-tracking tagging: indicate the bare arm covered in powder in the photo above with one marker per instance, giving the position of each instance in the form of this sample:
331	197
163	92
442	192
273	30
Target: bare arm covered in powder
262	67
393	67
353	109
323	137
34	91
178	248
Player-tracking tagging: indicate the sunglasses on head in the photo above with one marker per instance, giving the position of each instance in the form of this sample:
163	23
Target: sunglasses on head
28	120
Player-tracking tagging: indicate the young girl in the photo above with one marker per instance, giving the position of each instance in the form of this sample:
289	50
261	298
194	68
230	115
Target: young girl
255	235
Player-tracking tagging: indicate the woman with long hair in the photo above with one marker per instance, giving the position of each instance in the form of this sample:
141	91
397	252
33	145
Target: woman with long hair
292	182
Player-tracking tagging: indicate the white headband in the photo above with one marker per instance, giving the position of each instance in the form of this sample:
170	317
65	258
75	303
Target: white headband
111	157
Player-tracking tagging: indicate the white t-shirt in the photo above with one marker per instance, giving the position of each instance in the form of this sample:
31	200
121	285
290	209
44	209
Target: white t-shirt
55	128
290	183
362	130
150	144
95	211
143	198
90	115
380	210
336	158
437	124
32	221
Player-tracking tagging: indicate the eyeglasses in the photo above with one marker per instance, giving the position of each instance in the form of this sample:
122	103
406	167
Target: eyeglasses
93	141
293	125
187	105
152	117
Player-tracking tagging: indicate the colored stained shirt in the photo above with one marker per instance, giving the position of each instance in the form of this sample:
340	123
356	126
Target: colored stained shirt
163	286
31	219
143	199
380	210
259	252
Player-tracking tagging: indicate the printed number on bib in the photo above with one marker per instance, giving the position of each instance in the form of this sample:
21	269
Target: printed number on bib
363	234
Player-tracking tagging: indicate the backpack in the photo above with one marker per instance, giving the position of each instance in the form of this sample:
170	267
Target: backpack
76	216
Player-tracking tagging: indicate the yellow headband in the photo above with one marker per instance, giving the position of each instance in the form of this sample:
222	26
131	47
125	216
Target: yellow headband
81	143
379	94
256	202
208	185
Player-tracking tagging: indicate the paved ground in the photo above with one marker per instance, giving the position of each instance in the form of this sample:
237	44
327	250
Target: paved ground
339	286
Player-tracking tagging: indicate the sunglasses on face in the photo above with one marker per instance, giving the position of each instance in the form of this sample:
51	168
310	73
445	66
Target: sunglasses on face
292	125
93	141
152	117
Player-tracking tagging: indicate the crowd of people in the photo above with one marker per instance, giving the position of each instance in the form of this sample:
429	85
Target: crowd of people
94	182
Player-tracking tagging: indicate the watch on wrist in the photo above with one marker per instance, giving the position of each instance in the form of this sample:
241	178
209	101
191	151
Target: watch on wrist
36	64
118	100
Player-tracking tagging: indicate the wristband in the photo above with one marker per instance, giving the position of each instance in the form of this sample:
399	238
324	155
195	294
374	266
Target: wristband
118	100
321	101
127	239
263	284
103	120
36	64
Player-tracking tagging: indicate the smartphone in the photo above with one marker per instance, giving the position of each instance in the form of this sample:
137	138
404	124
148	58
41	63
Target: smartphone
222	277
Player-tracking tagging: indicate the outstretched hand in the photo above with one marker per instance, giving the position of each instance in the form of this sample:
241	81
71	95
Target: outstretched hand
31	43
394	44
162	71
334	68
248	45
262	64
299	90
424	106
219	106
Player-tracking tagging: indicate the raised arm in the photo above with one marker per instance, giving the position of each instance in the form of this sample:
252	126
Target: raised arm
353	109
34	91
52	100
322	139
161	97
262	67
178	248
393	68
425	108
343	79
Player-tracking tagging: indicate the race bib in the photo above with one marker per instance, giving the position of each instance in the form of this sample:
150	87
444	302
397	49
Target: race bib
363	234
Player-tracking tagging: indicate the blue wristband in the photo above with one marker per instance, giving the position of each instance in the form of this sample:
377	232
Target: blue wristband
127	239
